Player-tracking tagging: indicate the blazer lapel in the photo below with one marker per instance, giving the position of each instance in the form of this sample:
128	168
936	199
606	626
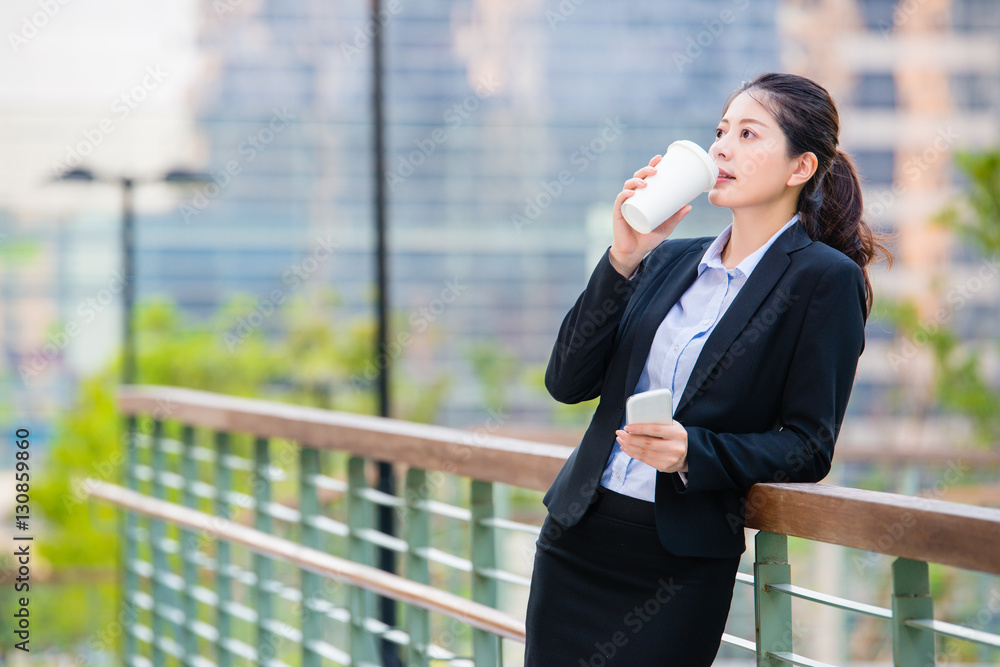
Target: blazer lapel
658	296
647	288
760	283
653	304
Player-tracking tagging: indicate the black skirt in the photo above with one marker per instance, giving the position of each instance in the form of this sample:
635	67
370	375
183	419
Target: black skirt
605	592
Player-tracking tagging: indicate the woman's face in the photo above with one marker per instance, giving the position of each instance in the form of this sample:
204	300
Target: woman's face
751	148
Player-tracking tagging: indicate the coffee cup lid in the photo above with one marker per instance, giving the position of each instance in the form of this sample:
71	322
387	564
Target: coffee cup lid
712	171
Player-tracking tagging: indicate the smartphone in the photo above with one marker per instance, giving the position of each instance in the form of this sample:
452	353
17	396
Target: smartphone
655	406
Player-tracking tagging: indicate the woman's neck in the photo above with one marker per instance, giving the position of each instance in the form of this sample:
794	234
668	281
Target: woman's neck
750	231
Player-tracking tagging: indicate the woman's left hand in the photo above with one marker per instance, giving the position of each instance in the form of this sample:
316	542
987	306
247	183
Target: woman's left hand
663	446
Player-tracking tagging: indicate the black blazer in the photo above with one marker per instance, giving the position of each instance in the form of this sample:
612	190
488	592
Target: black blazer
765	399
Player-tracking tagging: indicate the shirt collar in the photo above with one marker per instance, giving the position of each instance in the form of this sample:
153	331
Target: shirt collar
713	255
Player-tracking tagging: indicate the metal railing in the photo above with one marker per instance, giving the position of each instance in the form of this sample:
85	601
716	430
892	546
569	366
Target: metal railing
205	470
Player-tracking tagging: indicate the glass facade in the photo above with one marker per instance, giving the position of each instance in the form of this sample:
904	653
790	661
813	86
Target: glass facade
508	127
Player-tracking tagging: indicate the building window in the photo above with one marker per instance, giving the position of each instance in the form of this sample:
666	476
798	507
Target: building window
878	14
973	92
875	91
975	15
876	168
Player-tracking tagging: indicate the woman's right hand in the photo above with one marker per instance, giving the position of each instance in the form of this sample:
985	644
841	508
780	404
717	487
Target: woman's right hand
629	246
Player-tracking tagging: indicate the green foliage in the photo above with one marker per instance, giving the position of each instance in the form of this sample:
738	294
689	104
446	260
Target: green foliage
171	351
976	218
17	252
320	361
86	444
496	367
958	382
563	414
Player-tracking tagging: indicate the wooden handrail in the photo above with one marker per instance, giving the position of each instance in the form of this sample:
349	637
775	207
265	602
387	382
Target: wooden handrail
532	465
347	571
920	528
924	529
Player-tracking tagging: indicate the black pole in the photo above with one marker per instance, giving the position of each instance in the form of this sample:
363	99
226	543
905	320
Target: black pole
128	278
127	350
386	481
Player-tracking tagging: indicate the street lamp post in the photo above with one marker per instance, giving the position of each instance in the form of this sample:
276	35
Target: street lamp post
128	183
386	478
128	277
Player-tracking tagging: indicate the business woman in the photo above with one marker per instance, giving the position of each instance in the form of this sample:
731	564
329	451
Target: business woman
757	332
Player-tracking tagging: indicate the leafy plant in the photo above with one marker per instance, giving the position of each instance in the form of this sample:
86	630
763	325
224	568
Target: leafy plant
319	360
957	381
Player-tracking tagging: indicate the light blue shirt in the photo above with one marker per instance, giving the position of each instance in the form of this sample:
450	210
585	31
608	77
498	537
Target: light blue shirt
676	346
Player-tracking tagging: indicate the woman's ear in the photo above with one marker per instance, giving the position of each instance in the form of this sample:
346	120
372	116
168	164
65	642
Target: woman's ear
805	167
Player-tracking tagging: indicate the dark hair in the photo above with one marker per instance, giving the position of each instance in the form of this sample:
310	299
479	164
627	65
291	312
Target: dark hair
829	203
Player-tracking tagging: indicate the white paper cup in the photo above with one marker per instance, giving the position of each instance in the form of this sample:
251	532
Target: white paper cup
684	172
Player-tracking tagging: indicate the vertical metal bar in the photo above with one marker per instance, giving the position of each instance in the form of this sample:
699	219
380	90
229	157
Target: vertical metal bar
189	547
387	561
312	619
485	646
266	641
909	484
223	576
455	541
128	282
416	526
156	535
984	585
131	555
386	480
360	518
772	610
911	598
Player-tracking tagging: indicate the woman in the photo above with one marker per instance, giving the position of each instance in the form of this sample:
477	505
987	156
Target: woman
757	332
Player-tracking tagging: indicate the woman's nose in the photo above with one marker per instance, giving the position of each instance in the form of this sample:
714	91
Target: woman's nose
717	150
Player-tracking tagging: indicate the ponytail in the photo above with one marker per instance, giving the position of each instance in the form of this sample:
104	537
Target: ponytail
833	212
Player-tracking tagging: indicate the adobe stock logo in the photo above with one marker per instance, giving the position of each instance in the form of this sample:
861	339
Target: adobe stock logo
87	312
363	36
121	108
453	117
582	158
249	148
697	43
30	27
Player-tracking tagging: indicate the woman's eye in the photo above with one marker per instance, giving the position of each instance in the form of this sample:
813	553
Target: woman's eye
746	131
718	131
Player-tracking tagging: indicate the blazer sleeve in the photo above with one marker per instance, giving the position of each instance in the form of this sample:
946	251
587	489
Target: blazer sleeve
583	347
819	382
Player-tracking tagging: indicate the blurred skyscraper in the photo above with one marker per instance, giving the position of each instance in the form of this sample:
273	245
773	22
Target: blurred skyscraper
915	82
511	127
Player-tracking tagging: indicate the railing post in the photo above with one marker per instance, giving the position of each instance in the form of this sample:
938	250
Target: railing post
156	535
486	647
772	609
189	546
312	617
360	517
131	547
223	583
266	641
911	599
416	527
